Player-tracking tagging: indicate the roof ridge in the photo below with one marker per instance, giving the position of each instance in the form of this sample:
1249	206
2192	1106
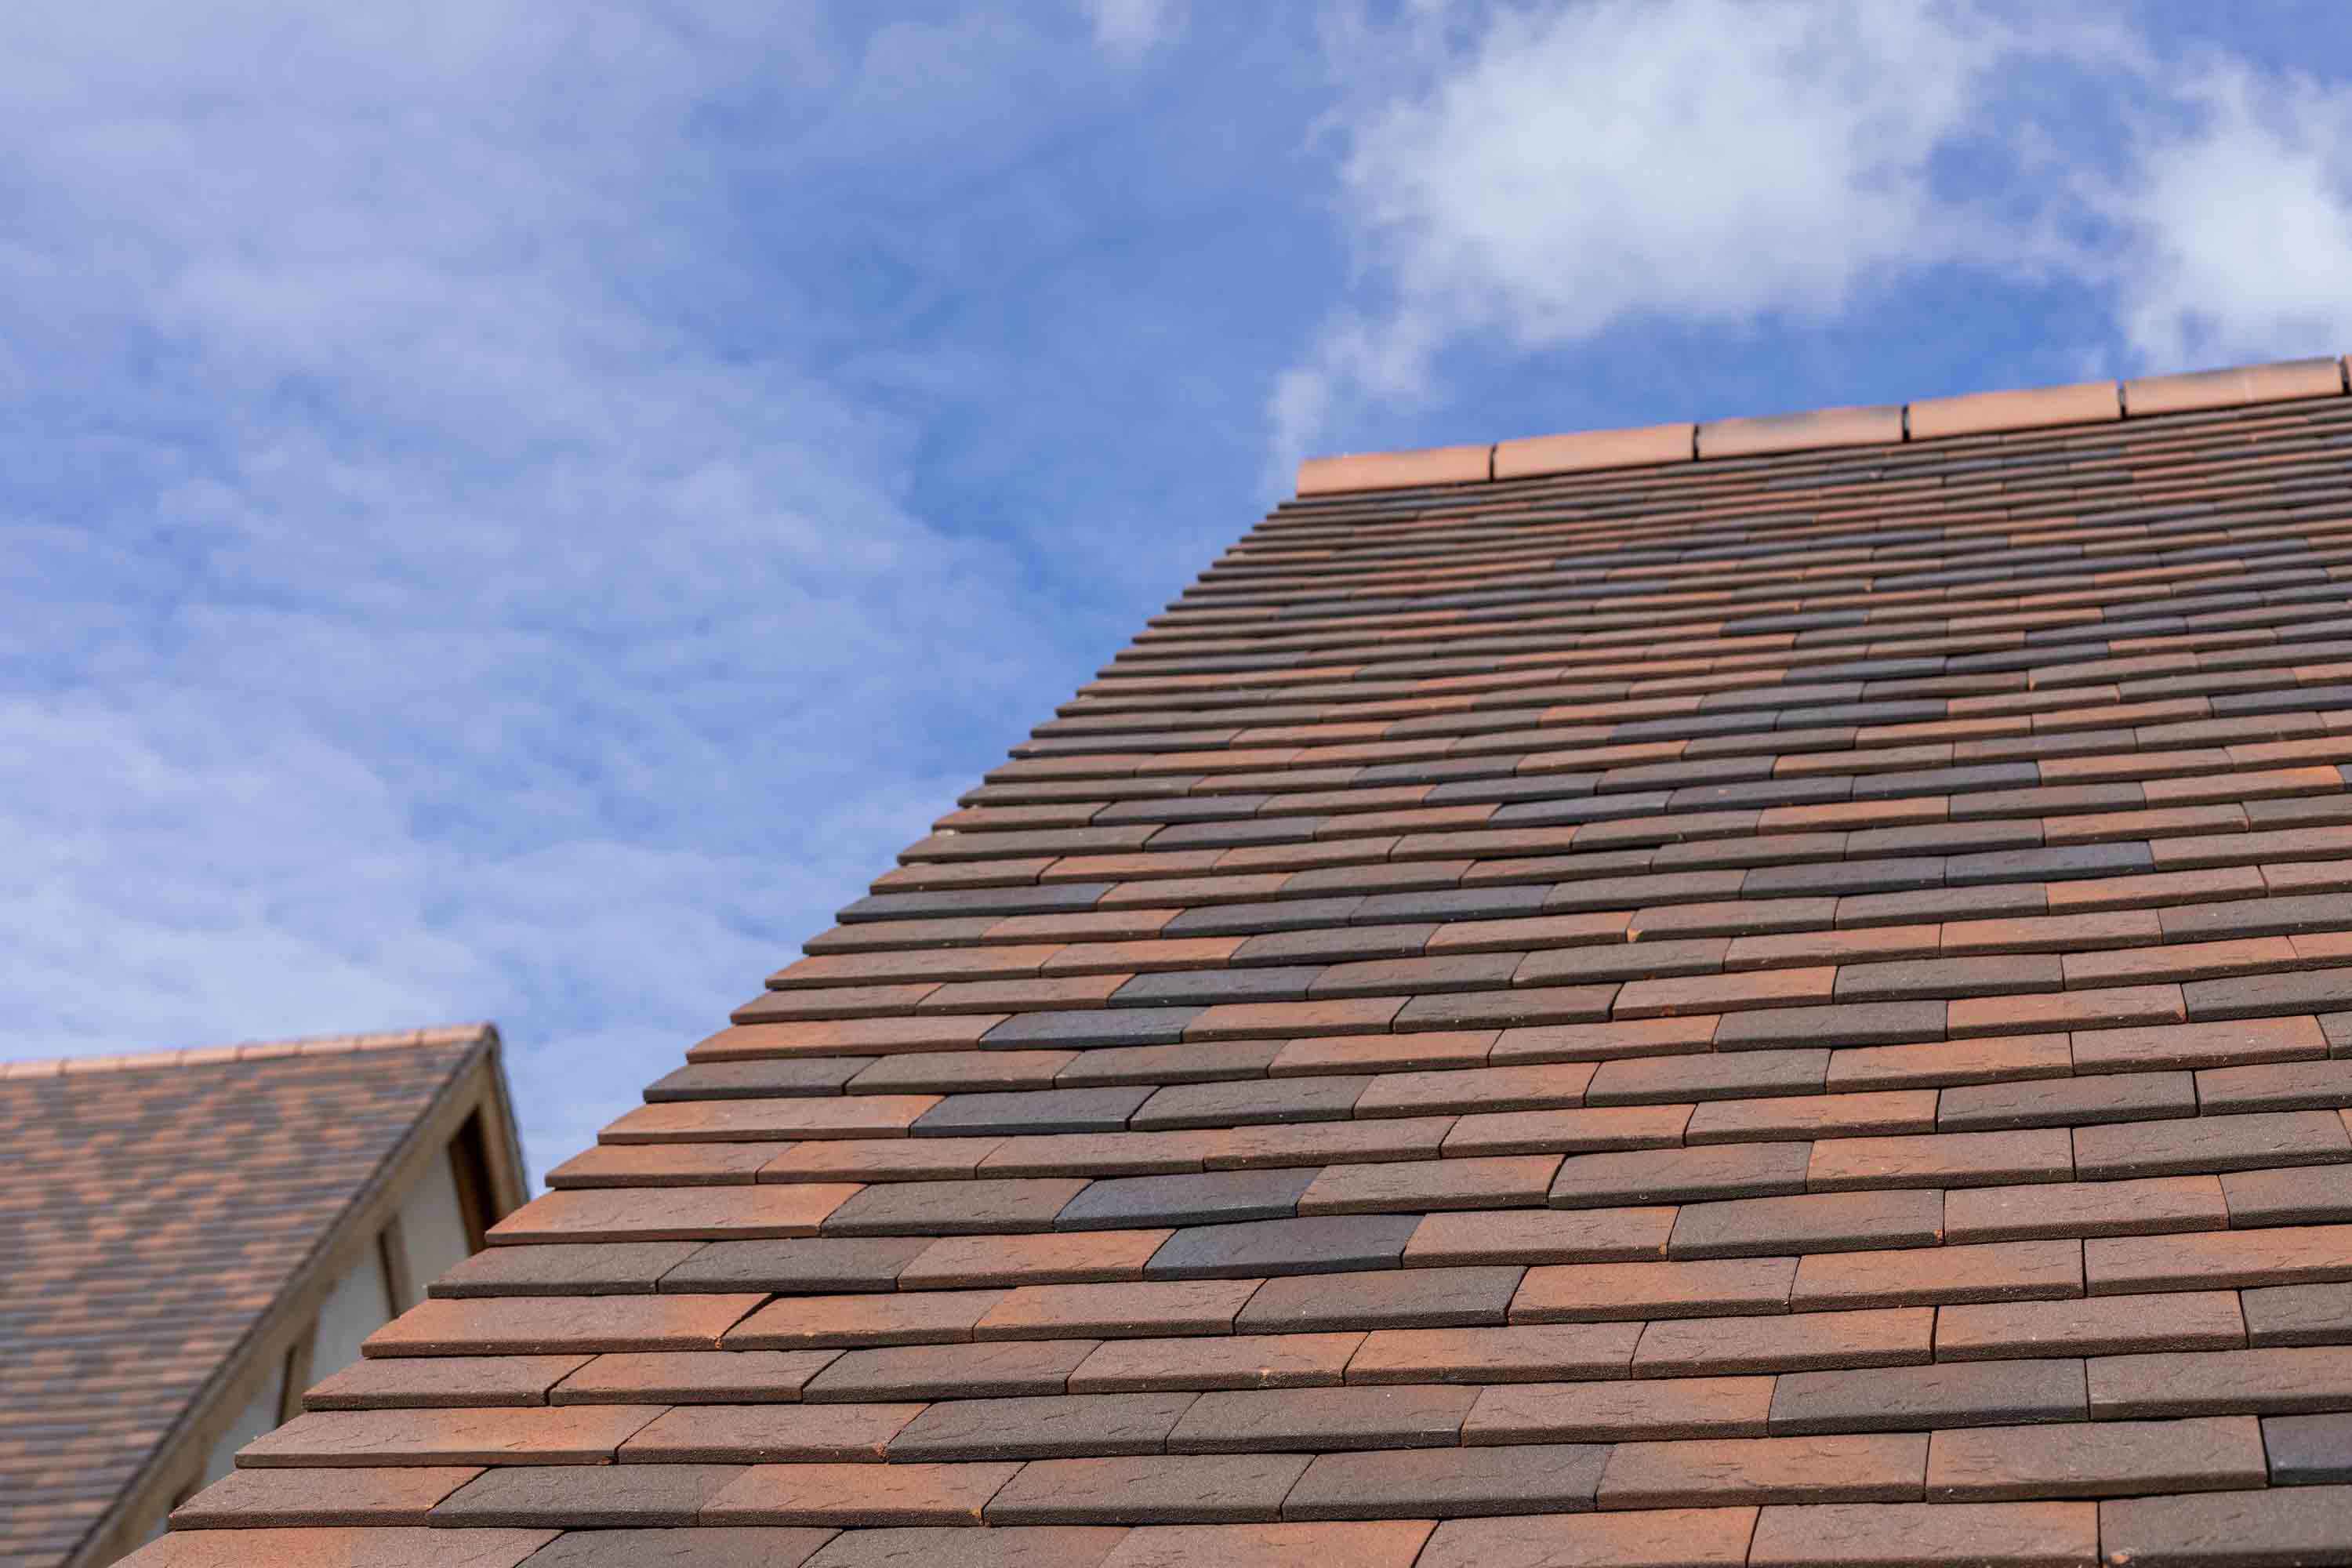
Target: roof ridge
1927	419
253	1050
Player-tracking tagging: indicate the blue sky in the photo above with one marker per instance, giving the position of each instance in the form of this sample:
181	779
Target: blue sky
519	511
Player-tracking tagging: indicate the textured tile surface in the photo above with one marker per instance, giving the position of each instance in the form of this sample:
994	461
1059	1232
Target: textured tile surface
1784	1007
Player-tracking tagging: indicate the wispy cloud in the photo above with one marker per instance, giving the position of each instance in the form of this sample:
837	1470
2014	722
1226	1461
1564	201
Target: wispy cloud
445	581
1521	180
2244	218
1128	29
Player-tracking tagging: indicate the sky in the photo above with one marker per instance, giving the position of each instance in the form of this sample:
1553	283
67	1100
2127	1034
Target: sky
519	511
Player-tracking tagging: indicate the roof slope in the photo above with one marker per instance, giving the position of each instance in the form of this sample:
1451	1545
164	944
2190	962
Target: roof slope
151	1207
1793	1007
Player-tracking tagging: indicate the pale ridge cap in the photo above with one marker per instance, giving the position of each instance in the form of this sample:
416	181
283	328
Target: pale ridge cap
252	1050
1926	419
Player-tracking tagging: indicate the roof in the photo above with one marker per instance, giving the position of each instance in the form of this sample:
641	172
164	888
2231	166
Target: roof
153	1207
1779	997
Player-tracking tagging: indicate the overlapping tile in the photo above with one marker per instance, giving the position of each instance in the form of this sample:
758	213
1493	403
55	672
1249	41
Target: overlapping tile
1783	1005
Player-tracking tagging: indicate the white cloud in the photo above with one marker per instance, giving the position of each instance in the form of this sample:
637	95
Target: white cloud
1523	179
2247	219
443	582
1130	29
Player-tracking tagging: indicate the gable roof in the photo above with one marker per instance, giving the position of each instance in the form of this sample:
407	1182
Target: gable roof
1776	994
155	1206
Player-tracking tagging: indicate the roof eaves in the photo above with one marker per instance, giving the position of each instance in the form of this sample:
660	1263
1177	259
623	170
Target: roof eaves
1927	419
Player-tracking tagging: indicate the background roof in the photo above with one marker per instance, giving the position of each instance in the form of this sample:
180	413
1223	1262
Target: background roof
153	1207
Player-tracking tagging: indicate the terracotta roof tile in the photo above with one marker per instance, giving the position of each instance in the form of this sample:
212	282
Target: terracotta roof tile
1765	993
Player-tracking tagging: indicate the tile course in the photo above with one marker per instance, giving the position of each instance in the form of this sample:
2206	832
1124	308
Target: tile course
1784	1006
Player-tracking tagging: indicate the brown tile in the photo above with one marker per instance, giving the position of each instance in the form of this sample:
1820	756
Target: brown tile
1389	1055
554	1325
580	1496
1449	1483
2093	1326
2213	1261
949	1370
858	1495
1877	1535
1420	1185
664	1164
2054	933
1600	1042
1858	1469
2100	1459
1066	1258
1014	1546
1915	1398
1947	1159
387	1384
1142	1310
1313	1419
1994	1272
2298	1314
1601	1293
1606	1411
1882	1113
880	1160
2198	1045
913	1317
1809	1222
740	1547
2301	1194
1159	1488
1393	1544
1577	1131
251	1499
2216	1529
795	1266
673	1213
565	1268
2099	1009
1723	993
1381	1299
1540	1236
1786	1342
2267	1381
1232	1361
1549	1085
1521	1353
1654	1538
768	1434
359	1546
1681	1175
1707	1076
2084	1209
2097	1097
1053	1427
2200	1143
685	1377
581	1435
984	1207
